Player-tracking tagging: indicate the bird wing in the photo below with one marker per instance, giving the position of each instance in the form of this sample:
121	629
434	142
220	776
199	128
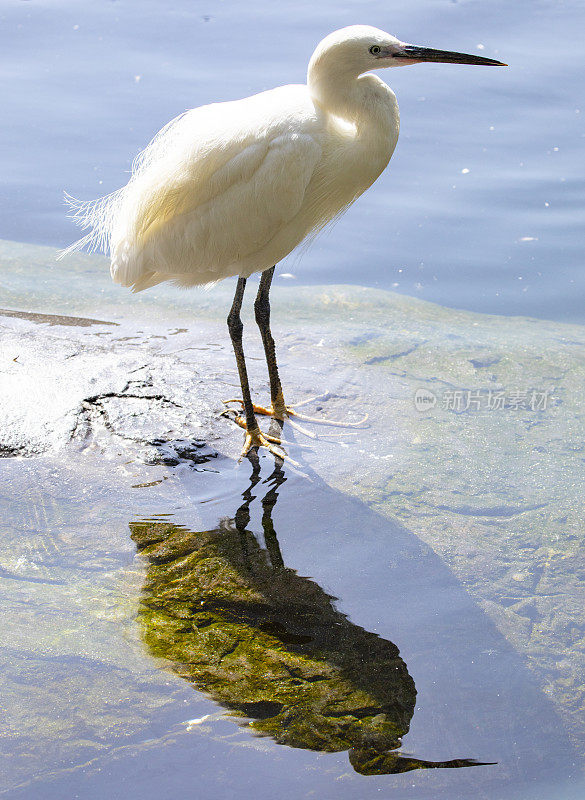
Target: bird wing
215	187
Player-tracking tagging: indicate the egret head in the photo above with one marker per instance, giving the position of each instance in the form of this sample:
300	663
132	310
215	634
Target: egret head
361	48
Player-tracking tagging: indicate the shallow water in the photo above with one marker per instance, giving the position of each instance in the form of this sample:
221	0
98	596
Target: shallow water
90	715
480	208
453	535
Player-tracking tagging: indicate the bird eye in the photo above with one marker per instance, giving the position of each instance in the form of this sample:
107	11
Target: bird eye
375	49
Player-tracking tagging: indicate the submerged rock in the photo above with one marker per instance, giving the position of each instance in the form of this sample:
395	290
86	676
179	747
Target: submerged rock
83	383
96	383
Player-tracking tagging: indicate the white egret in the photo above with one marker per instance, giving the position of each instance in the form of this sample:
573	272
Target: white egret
231	188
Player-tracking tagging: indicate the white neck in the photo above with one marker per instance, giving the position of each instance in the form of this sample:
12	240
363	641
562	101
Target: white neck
365	100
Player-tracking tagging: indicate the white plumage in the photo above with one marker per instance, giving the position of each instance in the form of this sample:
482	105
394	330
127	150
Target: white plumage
232	188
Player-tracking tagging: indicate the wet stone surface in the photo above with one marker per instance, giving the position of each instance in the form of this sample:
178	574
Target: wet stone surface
449	529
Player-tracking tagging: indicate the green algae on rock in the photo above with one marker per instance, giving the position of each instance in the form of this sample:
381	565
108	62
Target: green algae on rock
270	645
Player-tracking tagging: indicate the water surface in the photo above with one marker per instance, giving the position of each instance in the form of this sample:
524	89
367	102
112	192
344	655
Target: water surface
104	703
423	574
480	209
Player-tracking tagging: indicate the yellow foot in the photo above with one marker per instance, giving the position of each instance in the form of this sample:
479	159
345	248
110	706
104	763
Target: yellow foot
280	411
256	439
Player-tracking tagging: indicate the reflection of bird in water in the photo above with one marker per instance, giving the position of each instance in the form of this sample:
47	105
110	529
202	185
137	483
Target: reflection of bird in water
270	645
229	189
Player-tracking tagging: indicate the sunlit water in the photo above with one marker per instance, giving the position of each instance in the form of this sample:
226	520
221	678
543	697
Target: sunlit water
482	205
424	574
480	210
121	687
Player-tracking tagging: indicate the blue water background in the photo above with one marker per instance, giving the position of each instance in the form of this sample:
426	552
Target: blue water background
481	207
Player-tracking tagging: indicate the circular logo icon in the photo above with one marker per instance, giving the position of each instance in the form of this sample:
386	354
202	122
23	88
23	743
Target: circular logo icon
424	400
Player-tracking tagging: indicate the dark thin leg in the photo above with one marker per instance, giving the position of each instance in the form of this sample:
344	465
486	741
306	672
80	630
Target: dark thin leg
254	436
279	410
236	328
262	309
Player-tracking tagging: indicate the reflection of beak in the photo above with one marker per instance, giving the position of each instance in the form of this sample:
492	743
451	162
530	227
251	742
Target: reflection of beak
413	53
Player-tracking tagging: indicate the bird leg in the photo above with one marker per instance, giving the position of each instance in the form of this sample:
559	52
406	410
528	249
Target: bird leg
262	311
279	410
254	436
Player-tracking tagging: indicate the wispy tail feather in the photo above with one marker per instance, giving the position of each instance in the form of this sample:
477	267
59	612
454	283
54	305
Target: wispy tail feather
98	216
78	245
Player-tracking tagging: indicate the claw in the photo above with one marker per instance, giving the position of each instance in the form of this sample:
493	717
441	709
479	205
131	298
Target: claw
289	412
308	400
242	424
324	421
302	430
257	439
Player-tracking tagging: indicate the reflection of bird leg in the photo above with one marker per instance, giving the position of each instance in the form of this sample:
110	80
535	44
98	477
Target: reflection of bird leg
278	409
270	645
242	515
268	503
254	436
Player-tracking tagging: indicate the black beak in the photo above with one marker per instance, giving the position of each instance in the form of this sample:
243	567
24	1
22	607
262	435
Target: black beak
411	52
